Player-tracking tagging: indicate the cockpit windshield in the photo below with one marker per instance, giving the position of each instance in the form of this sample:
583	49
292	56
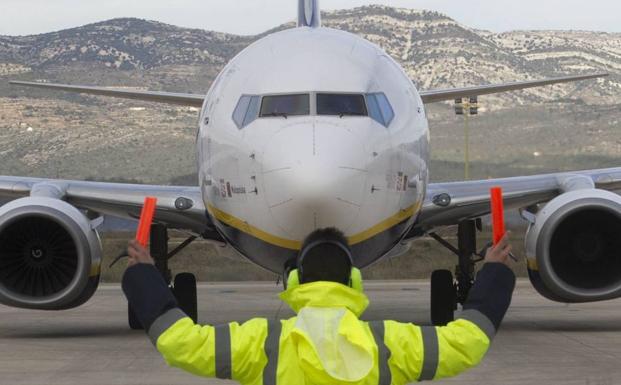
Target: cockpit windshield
285	105
341	104
373	105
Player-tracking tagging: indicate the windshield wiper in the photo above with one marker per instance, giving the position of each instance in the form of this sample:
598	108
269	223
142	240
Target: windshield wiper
350	113
283	114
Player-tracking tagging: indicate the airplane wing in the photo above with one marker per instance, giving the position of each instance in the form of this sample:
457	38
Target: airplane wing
449	203
194	100
434	96
178	207
191	100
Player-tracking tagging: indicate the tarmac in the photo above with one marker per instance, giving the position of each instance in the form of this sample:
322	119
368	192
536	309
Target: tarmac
540	342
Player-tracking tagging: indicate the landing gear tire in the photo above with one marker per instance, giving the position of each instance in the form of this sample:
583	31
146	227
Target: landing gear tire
185	292
443	297
134	324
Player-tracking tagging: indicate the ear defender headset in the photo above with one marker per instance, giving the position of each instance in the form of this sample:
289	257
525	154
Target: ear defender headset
293	275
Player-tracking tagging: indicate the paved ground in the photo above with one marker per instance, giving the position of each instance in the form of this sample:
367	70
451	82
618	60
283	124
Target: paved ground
541	342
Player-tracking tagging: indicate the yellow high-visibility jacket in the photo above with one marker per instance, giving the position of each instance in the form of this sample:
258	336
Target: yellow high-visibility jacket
325	344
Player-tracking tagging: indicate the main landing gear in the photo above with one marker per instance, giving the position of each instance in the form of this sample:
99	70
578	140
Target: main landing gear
447	292
184	285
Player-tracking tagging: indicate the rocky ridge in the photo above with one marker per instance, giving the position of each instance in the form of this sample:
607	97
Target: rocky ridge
65	135
436	51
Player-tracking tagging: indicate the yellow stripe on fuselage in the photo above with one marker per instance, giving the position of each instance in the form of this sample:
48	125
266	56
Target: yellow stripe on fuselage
256	232
384	225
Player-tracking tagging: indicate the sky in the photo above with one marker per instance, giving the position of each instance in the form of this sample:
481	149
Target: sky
246	17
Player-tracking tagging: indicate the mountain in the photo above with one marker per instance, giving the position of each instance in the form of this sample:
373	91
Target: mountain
438	52
73	136
122	44
435	50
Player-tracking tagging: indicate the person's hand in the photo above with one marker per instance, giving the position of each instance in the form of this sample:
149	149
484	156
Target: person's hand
138	254
500	252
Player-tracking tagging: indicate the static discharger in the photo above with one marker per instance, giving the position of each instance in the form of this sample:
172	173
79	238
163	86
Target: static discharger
146	219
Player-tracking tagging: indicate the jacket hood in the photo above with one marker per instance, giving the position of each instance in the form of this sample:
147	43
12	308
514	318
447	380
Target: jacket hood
333	346
325	294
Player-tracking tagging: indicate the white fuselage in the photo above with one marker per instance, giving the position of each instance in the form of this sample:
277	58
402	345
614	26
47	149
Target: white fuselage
270	183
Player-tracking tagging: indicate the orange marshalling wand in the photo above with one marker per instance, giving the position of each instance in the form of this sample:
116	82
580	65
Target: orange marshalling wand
498	214
146	218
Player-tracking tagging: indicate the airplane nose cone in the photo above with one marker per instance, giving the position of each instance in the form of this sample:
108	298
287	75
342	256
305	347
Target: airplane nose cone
314	177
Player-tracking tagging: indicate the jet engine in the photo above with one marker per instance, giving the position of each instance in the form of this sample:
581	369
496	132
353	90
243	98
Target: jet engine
574	247
50	254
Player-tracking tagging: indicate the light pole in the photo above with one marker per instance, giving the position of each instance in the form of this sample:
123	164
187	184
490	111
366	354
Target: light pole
466	109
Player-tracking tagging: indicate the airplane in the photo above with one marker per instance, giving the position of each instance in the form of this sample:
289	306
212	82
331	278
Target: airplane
307	128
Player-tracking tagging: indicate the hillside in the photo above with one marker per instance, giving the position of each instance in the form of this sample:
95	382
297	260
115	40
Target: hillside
73	136
435	50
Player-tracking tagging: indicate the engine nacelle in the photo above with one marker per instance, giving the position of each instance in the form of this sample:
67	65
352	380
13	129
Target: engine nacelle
50	255
574	247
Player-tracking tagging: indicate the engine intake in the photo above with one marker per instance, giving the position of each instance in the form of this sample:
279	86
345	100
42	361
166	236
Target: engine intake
50	255
574	247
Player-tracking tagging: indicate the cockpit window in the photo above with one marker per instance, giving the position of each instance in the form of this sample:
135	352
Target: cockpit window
253	110
341	105
285	105
374	105
247	110
380	109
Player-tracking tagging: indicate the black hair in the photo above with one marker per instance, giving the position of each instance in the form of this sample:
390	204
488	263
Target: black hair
327	259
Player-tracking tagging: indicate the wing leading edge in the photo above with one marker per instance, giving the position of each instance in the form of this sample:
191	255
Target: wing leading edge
434	96
191	100
449	203
179	207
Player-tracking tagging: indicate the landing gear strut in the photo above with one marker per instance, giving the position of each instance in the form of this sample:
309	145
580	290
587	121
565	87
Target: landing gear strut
446	293
184	288
467	247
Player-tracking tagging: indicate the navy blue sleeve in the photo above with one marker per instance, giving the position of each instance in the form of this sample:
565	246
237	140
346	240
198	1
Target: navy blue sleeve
147	293
492	292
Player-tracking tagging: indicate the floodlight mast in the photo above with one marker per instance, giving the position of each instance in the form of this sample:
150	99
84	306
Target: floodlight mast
465	109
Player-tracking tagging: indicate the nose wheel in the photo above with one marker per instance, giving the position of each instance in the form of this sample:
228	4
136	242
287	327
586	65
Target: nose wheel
443	297
184	285
184	290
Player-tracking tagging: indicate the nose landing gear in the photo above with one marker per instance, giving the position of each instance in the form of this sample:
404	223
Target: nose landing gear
447	292
184	287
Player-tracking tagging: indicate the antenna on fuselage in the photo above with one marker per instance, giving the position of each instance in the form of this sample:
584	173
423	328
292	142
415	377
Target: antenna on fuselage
309	14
